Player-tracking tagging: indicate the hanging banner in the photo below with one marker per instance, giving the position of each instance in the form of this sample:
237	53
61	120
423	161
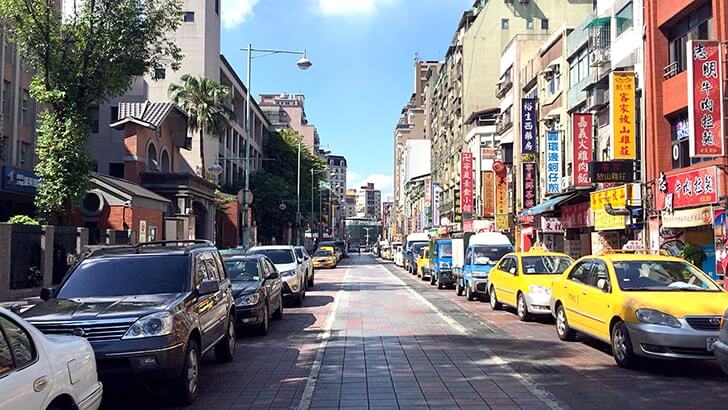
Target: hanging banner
428	191
501	201
622	110
686	218
551	225
553	162
529	125
529	184
605	222
488	193
705	98
612	171
687	189
576	215
466	182
583	132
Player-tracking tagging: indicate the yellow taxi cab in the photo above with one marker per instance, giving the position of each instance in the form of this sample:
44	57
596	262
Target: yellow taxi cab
523	280
644	305
423	263
324	258
335	251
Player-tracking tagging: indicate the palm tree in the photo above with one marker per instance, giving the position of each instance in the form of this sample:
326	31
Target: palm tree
208	105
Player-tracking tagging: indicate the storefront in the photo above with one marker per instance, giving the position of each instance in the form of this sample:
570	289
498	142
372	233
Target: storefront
17	192
577	222
616	216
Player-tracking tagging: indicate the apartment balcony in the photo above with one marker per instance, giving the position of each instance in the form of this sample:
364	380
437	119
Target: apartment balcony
502	87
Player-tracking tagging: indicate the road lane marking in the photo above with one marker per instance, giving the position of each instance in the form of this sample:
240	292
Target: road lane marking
547	398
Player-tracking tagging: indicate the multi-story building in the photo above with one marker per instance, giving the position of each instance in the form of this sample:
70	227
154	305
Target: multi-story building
369	202
336	176
350	203
287	111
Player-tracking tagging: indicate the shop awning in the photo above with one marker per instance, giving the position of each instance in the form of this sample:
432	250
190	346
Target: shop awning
549	205
599	22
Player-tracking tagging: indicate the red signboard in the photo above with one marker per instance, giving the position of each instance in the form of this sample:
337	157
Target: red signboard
576	215
583	148
529	185
686	189
705	98
466	182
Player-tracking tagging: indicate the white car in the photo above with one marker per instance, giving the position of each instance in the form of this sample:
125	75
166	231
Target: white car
293	273
45	372
398	256
305	259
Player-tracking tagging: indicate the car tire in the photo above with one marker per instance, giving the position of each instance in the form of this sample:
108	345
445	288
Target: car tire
187	383
522	308
622	347
563	330
264	327
298	298
439	284
225	348
433	280
494	304
469	294
458	288
278	314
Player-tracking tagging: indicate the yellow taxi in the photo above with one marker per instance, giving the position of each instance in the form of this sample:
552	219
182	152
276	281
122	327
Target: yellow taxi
324	258
523	280
334	251
644	305
423	263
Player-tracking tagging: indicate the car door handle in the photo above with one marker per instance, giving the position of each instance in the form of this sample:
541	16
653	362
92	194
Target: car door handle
40	383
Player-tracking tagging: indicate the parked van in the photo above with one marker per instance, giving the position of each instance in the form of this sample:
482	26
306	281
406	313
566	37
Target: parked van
410	262
441	263
484	250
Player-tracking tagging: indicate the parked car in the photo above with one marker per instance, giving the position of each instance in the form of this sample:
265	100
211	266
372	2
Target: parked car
415	250
410	254
292	273
257	290
304	258
324	258
441	263
354	247
339	247
331	249
721	345
484	250
644	305
523	280
149	311
45	372
398	256
423	263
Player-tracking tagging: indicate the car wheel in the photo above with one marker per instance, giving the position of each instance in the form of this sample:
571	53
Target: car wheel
469	294
458	288
188	382
433	280
562	325
278	314
265	325
225	348
494	304
622	347
522	308
439	284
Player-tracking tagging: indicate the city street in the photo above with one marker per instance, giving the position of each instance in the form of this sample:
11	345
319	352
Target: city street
372	336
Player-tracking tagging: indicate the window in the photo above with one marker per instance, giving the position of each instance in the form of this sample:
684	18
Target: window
504	24
116	169
189	17
624	19
581	272
6	357
695	26
598	272
114	114
6	98
160	73
25	155
166	166
152	164
544	24
4	148
579	67
26	115
17	338
93	119
529	23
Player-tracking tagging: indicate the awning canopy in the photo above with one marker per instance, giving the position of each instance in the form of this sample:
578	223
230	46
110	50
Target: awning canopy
599	22
549	205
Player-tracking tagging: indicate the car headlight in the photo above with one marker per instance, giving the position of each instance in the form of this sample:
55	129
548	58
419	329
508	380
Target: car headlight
539	289
247	300
444	265
288	273
655	317
156	324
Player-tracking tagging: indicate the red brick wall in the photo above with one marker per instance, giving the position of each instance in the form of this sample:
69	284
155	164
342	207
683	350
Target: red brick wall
230	228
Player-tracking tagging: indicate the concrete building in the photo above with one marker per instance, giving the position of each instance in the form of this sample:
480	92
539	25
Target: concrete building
336	175
369	202
350	209
287	111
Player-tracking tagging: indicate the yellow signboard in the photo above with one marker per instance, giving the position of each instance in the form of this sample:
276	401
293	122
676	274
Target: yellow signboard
617	197
686	218
501	222
622	107
605	222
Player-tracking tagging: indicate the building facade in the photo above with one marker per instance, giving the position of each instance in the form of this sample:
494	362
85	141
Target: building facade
369	202
287	111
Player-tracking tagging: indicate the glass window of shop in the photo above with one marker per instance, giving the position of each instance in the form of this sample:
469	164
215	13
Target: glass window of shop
694	26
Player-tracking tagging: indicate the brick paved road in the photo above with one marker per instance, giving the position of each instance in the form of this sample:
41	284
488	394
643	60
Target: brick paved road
372	336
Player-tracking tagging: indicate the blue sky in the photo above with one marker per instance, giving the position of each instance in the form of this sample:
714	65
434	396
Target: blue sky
362	53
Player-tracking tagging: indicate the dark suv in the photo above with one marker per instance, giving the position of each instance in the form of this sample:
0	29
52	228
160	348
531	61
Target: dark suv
150	311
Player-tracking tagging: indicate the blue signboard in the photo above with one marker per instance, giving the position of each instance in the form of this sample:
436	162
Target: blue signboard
553	162
529	125
19	180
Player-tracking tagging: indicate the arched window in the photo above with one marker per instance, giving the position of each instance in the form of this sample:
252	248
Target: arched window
166	166
152	162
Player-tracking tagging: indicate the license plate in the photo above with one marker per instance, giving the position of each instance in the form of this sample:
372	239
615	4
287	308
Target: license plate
710	343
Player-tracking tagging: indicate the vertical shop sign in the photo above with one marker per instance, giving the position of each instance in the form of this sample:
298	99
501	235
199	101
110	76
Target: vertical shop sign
501	201
488	188
705	98
529	128
529	184
582	132
622	107
466	182
458	208
435	204
553	162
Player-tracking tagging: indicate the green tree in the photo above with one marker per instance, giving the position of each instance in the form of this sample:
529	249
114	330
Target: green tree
82	58
208	105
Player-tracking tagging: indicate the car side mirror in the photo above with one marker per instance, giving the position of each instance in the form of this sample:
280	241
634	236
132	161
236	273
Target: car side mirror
46	293
603	284
207	287
15	308
273	275
299	260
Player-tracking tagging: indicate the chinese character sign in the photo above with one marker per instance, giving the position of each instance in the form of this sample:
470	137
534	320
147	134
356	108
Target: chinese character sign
488	187
615	197
458	208
529	185
466	182
688	189
501	200
705	98
622	109
529	129
583	148
553	162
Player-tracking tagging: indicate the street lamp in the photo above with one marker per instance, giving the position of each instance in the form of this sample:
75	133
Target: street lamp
304	64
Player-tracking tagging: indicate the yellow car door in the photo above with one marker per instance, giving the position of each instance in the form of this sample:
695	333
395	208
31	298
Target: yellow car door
573	289
594	301
507	293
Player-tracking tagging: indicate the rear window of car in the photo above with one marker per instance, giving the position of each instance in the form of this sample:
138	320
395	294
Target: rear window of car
278	256
128	276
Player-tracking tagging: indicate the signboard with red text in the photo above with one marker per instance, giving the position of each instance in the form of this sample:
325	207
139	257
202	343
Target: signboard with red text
687	189
583	148
705	98
466	182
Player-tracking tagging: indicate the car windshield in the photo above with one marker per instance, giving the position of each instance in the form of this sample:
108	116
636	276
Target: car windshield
323	253
446	250
128	276
278	256
243	269
489	255
662	276
417	247
545	264
299	253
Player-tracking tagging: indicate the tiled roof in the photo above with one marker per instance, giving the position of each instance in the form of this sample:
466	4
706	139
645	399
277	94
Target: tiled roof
150	113
129	187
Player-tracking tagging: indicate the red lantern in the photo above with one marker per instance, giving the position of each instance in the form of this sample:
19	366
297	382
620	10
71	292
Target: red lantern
499	167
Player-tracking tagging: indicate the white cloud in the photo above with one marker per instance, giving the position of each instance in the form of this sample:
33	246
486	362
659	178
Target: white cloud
350	7
381	182
235	12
